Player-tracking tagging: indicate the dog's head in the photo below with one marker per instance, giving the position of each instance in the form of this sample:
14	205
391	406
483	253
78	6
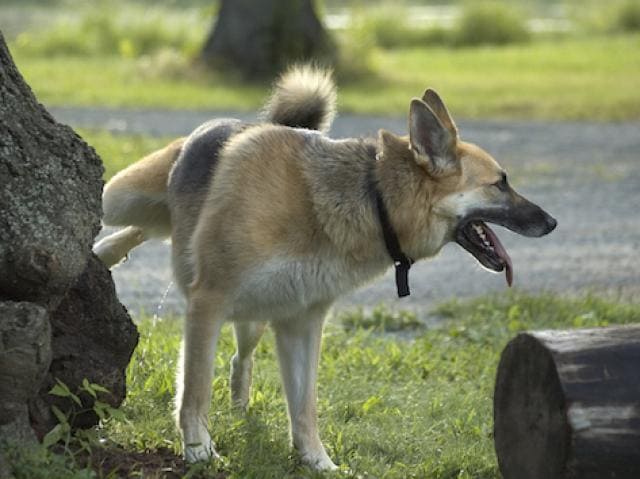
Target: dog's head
464	188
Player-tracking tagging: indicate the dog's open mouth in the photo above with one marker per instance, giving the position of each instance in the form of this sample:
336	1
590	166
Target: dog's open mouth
480	240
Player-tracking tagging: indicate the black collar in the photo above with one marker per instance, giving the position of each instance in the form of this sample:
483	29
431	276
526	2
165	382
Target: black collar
401	261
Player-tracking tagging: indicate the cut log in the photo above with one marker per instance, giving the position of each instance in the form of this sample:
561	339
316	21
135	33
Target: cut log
567	405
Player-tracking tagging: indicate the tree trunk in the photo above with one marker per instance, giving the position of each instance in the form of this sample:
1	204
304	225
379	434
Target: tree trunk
260	37
59	314
93	338
567	405
25	351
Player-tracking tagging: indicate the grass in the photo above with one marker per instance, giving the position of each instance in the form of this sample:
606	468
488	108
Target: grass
394	408
542	80
126	28
565	79
628	16
119	151
490	23
609	17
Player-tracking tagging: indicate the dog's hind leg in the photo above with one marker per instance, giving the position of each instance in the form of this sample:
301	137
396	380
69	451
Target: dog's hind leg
135	199
298	341
114	248
202	327
248	335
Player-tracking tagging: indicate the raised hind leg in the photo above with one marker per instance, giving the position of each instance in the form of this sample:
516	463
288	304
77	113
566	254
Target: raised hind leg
114	248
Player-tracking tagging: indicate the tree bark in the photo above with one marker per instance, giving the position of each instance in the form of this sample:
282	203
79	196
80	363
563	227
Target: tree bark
26	355
93	338
260	37
567	405
50	198
59	314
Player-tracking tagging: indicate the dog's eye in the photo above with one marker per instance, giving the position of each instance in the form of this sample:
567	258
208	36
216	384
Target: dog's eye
502	184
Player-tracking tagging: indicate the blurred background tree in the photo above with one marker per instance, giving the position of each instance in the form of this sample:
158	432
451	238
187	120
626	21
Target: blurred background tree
260	37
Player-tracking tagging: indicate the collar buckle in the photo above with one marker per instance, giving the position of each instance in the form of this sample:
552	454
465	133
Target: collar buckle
401	261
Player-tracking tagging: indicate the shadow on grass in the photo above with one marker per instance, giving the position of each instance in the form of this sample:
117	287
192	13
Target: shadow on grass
257	448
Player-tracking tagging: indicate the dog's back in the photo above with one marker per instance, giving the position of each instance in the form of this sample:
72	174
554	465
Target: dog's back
138	198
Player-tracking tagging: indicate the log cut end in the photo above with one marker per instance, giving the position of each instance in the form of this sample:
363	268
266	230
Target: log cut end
531	433
567	405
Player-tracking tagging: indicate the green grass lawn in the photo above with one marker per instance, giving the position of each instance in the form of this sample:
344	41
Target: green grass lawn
414	404
568	78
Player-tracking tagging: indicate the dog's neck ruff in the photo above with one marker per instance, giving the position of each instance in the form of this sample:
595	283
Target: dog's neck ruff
401	261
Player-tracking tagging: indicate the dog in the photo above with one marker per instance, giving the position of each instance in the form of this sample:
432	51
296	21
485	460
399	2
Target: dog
271	222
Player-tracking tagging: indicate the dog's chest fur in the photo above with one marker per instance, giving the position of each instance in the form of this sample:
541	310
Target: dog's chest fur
284	287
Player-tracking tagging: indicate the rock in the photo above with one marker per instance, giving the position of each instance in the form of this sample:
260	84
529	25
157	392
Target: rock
93	338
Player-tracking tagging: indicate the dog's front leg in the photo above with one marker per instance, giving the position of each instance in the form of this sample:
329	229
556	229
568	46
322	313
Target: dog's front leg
202	327
298	341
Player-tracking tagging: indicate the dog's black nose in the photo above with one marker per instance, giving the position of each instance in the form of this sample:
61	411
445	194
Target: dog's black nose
551	224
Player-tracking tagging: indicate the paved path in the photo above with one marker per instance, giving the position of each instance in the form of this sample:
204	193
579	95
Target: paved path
587	175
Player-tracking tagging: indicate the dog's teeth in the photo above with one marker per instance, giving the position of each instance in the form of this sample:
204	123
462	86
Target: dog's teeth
483	236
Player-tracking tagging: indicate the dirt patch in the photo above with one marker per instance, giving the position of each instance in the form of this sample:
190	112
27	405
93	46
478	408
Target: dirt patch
116	462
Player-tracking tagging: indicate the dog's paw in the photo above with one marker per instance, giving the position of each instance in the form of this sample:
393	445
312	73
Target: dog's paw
200	452
319	461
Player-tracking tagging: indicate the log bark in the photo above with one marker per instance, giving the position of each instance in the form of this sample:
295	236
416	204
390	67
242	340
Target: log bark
259	38
567	405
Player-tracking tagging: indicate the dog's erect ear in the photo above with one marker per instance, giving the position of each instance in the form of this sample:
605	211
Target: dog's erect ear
434	101
432	143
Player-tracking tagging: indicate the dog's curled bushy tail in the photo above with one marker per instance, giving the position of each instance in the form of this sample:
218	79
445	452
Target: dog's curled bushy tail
304	96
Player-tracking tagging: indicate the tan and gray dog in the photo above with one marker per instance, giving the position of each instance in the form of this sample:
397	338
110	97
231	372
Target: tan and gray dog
271	222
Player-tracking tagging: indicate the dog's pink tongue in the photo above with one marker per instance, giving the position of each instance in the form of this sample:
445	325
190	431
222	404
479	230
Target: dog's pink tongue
502	253
508	267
